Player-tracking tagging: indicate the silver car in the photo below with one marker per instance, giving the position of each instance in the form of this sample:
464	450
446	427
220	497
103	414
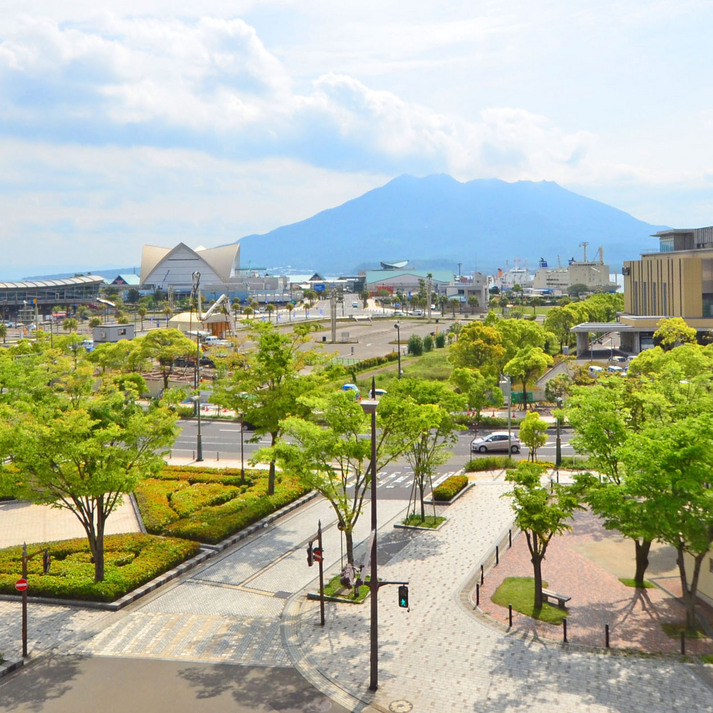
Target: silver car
495	442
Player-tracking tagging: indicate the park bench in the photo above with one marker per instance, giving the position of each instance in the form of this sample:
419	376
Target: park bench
562	599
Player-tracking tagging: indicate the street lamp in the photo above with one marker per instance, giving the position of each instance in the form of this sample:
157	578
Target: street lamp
242	453
506	388
369	406
558	450
196	398
397	326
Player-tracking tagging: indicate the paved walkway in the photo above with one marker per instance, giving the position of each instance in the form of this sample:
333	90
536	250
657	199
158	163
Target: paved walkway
247	605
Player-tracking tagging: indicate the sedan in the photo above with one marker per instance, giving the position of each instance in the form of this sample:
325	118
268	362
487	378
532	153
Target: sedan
495	442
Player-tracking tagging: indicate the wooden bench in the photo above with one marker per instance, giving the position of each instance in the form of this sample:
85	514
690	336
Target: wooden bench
562	599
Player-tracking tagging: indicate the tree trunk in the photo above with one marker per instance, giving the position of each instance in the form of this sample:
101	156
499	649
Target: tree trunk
642	560
524	395
689	592
537	569
349	541
96	540
271	479
421	497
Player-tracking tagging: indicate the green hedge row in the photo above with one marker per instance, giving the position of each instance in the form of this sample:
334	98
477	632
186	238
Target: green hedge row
130	561
489	463
376	361
209	505
450	487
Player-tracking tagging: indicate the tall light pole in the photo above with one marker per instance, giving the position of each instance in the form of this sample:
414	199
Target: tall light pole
398	344
369	407
506	388
196	289
242	453
558	449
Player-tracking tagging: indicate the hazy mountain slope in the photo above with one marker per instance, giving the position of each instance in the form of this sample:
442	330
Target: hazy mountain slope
483	222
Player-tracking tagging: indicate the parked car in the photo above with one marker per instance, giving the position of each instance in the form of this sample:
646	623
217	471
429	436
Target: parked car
595	371
355	304
495	442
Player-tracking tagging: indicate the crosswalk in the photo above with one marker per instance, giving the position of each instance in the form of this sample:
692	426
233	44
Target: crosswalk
391	480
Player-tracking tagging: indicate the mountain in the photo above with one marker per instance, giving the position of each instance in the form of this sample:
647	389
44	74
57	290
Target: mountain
482	224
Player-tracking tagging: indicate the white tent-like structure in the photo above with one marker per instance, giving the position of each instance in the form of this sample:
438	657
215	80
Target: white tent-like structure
173	268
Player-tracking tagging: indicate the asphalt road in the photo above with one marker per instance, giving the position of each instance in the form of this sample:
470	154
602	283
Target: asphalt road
76	684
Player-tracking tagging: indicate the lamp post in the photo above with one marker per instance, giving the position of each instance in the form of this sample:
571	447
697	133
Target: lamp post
196	398
506	388
558	450
242	453
369	407
397	326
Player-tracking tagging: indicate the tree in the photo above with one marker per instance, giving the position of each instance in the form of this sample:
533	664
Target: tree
415	345
419	416
473	303
529	363
79	446
141	311
289	307
480	391
533	433
266	386
69	324
270	308
332	456
364	296
454	304
166	346
540	512
95	322
479	346
673	332
3	331
669	469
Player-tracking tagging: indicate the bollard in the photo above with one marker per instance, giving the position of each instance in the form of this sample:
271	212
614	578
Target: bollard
217	456
509	538
564	630
510	615
482	574
194	455
477	595
497	555
606	635
683	643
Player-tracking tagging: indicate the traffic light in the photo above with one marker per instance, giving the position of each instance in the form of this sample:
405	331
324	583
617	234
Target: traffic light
310	555
403	596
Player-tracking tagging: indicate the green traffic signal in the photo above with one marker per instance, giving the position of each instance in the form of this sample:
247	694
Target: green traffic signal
403	596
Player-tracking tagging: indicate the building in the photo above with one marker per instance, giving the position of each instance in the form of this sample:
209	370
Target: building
593	274
171	271
37	298
676	281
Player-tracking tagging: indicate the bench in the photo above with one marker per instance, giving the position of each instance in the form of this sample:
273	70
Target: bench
562	599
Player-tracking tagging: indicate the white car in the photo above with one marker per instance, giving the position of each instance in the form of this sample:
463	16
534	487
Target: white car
495	442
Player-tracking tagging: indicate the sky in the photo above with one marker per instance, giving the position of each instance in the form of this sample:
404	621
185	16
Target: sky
127	123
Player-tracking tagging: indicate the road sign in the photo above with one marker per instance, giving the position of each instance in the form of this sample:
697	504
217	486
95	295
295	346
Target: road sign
317	554
319	287
21	585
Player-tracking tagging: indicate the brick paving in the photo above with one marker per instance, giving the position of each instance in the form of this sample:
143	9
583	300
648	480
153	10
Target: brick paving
575	567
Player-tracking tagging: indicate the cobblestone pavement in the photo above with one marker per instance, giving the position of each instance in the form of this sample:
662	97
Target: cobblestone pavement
247	606
440	657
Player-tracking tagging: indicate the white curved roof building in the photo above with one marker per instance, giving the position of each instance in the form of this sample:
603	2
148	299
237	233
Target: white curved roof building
174	267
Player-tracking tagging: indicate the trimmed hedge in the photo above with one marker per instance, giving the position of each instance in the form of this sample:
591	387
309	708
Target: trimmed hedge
130	561
489	463
209	504
450	487
372	362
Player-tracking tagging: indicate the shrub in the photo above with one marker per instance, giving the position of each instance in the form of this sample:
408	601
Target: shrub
489	463
450	487
440	340
428	343
130	561
415	345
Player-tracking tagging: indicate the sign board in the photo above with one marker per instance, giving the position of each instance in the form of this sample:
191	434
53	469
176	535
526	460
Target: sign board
319	287
21	585
317	554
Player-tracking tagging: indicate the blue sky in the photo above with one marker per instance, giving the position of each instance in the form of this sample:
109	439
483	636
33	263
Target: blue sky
127	124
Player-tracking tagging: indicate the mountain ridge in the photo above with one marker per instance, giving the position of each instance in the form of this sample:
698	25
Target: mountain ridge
484	221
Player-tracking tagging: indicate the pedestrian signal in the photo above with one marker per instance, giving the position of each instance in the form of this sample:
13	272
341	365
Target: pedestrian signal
403	596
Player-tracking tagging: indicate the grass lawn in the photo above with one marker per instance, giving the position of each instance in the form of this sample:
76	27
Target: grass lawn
628	582
129	561
334	588
520	592
431	521
210	504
